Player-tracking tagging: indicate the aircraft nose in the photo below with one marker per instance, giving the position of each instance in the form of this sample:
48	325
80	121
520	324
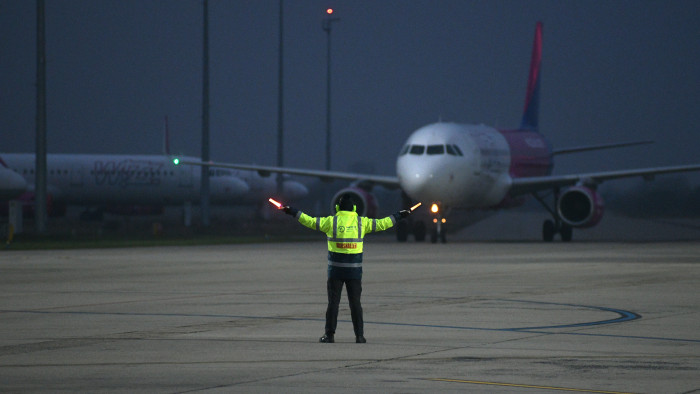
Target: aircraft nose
416	183
420	181
11	184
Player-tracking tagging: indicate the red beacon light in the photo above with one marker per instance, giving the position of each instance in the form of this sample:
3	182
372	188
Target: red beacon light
329	11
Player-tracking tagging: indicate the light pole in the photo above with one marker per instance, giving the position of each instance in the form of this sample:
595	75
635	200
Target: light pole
280	102
40	198
327	28
204	191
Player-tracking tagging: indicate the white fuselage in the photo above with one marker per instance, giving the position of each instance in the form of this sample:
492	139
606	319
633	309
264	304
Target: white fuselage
455	165
84	179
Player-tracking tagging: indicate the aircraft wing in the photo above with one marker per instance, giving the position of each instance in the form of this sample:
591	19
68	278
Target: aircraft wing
598	147
527	185
390	182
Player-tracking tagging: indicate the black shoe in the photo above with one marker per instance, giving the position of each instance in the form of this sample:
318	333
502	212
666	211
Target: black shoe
327	339
360	339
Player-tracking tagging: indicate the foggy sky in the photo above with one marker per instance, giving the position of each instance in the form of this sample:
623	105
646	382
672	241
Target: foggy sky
611	71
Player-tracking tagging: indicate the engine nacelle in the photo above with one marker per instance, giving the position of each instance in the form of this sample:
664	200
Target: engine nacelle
364	200
224	189
580	207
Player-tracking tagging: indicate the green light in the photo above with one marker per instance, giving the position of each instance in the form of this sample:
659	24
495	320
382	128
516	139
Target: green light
176	161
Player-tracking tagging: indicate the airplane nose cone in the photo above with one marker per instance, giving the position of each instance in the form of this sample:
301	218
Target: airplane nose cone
419	181
416	184
11	184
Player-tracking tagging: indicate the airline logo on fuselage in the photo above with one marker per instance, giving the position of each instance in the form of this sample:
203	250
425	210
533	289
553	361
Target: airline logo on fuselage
535	143
128	172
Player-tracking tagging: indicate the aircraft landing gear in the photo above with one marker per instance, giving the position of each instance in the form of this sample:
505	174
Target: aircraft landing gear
402	231
415	224
439	230
406	227
419	230
552	227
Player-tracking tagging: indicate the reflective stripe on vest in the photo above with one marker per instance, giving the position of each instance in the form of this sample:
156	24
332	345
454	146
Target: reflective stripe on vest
345	265
341	244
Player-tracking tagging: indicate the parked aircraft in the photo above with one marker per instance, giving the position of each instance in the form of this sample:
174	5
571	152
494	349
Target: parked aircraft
450	167
133	184
11	184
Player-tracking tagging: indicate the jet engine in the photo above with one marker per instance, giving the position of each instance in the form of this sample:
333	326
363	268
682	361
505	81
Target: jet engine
364	200
580	207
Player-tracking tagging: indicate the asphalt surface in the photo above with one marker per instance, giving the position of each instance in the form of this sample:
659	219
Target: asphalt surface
496	317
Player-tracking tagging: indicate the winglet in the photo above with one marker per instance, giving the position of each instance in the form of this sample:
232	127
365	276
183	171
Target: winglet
532	98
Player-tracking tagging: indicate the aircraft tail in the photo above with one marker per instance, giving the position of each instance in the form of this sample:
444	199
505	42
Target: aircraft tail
532	98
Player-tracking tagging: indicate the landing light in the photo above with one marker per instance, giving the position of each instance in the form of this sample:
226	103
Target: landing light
434	208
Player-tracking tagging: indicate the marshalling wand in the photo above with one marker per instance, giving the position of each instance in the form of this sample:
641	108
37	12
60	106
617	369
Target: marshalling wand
275	203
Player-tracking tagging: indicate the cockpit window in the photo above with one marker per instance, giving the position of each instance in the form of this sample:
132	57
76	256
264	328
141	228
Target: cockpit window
417	149
436	149
451	150
456	148
404	150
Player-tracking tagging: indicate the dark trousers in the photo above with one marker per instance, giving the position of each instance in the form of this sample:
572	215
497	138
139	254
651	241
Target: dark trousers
354	290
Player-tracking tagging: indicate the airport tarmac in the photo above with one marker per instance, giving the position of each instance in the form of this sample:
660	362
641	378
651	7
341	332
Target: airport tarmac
496	317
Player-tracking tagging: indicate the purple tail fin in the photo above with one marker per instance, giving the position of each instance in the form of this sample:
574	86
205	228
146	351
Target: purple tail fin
532	99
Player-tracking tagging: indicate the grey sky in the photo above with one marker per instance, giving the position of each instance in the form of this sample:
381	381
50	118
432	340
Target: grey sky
612	71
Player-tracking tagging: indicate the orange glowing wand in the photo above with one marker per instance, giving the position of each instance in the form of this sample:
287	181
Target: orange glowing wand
413	208
275	203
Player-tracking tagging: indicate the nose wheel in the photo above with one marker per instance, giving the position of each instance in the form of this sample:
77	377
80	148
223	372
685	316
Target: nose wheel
439	230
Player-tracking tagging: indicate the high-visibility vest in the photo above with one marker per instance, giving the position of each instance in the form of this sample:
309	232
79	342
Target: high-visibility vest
346	230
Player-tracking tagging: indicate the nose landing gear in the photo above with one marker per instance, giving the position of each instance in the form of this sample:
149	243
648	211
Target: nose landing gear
439	230
439	224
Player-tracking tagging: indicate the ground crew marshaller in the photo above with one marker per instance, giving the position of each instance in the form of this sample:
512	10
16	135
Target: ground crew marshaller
345	231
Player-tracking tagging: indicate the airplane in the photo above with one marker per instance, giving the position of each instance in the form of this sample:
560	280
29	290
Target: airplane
11	184
481	169
130	184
